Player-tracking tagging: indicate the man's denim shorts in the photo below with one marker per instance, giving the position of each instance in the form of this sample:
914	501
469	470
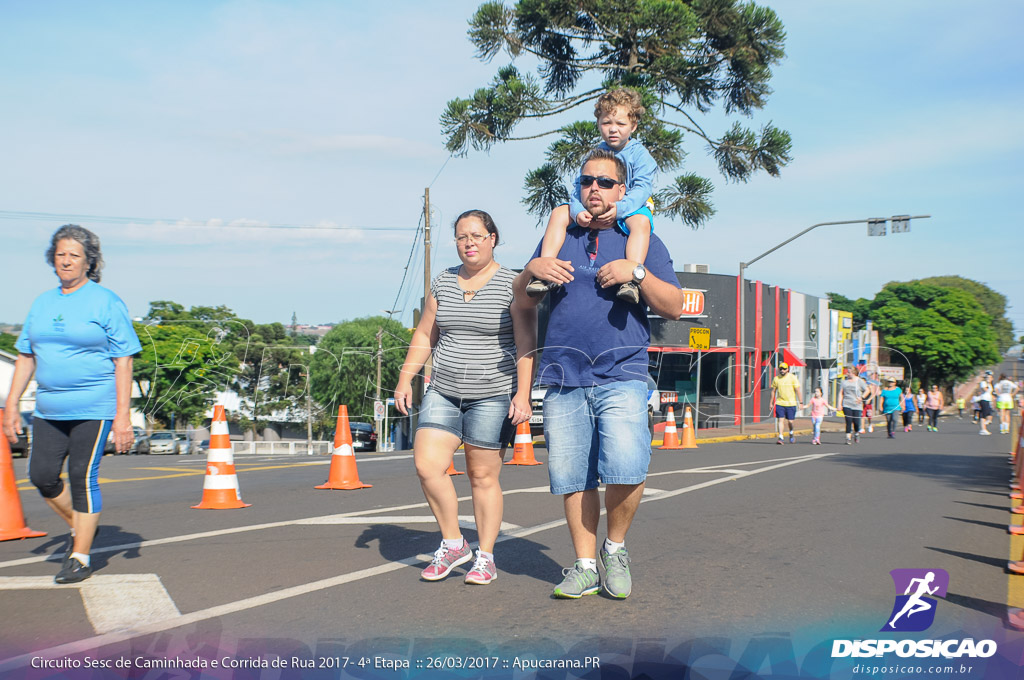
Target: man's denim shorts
477	422
596	434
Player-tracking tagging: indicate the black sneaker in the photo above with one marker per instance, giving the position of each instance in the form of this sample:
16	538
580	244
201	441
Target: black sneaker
73	571
629	292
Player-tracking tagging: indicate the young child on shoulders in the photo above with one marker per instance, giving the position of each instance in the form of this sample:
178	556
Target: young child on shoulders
618	113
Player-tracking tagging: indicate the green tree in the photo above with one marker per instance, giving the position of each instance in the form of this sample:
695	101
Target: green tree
993	302
684	57
180	368
273	371
7	341
944	333
859	307
344	367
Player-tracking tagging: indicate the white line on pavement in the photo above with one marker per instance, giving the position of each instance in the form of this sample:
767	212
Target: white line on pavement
113	603
80	646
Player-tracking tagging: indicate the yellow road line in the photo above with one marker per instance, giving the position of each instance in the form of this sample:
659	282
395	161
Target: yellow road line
24	485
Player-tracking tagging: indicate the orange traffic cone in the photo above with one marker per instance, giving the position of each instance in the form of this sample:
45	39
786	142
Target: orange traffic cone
344	474
689	438
671	435
12	519
522	453
220	487
451	471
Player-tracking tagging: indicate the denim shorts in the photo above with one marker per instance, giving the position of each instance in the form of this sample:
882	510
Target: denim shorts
478	422
596	434
787	412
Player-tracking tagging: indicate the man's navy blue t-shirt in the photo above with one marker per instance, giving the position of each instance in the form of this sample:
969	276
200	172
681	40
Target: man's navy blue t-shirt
593	338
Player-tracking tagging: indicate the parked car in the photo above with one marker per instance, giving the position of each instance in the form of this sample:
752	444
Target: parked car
164	443
186	446
202	447
141	443
24	443
363	437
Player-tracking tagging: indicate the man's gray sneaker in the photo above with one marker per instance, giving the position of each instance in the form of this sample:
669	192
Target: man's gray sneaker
617	581
577	583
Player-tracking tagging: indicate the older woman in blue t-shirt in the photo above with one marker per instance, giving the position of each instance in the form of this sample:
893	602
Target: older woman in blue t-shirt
78	340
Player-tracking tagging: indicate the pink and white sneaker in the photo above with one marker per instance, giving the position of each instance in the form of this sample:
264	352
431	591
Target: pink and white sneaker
483	571
446	559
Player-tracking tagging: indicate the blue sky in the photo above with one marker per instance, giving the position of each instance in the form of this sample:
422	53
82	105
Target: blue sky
225	114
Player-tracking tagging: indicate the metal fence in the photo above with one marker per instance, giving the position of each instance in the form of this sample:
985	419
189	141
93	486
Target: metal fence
287	448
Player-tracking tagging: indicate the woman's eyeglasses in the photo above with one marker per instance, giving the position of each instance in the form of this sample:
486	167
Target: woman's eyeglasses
603	182
475	238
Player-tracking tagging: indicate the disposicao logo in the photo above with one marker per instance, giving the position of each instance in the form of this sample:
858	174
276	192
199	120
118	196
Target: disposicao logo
914	610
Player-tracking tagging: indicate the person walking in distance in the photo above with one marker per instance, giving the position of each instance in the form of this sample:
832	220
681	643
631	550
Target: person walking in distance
1005	389
819	409
595	408
984	400
909	408
933	404
892	403
921	398
854	391
786	394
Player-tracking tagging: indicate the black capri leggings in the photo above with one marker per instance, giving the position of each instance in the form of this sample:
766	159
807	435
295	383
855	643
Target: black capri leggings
81	442
852	419
908	418
933	417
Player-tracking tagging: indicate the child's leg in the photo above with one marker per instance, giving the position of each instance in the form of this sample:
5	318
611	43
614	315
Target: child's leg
639	237
554	233
636	250
554	237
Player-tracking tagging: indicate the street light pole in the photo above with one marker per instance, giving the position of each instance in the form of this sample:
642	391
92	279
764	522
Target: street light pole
743	289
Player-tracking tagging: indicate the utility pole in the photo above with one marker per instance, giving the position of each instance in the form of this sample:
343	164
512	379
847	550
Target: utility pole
380	358
426	267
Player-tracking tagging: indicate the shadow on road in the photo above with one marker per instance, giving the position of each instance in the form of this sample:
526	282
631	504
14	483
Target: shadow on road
515	556
107	535
956	469
993	525
990	561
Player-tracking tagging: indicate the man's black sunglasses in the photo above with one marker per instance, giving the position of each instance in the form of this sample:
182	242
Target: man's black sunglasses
592	242
603	182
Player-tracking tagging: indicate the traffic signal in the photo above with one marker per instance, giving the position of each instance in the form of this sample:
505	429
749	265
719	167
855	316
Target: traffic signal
876	227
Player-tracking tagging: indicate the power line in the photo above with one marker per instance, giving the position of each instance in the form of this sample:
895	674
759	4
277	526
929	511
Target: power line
183	223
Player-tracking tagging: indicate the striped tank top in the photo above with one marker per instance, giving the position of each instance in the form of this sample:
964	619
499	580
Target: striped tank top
475	355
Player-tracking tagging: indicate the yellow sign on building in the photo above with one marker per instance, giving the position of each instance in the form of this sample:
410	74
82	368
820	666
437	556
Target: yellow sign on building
700	338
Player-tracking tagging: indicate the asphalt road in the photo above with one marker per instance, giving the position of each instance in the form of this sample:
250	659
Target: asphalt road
745	553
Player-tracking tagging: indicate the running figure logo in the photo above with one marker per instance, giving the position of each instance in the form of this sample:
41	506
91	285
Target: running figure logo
913	611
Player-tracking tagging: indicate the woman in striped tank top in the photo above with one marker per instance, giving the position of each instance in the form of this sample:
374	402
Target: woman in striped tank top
482	348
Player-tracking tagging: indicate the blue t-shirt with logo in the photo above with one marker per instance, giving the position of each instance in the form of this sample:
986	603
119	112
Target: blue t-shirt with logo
74	339
592	337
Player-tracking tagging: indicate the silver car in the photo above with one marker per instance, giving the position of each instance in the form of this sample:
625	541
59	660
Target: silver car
164	443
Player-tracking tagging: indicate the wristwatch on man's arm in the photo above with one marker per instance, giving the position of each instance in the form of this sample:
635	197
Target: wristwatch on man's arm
639	272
